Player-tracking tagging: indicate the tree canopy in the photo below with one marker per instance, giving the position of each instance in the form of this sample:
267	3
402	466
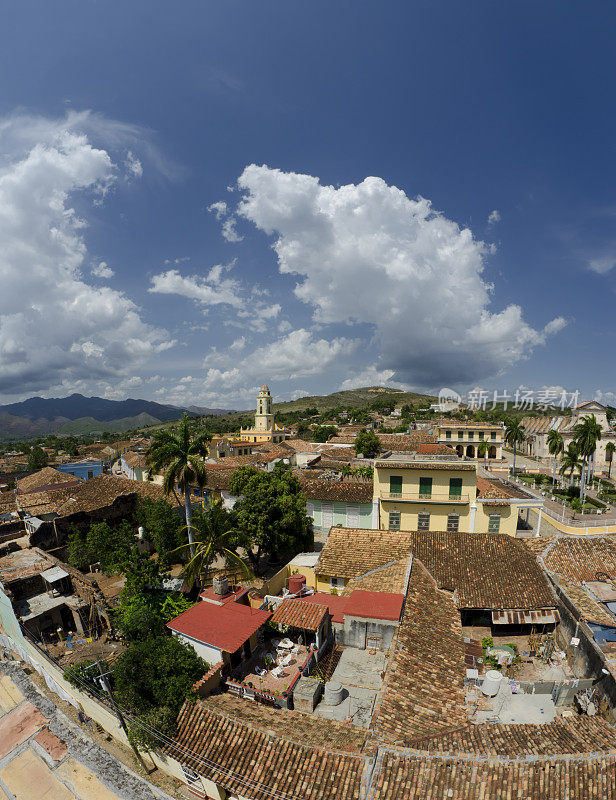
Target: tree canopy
37	458
271	512
162	525
368	444
321	433
111	546
157	675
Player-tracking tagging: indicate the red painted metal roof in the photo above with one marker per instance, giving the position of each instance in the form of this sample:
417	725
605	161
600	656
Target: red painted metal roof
335	603
234	594
368	605
374	605
226	627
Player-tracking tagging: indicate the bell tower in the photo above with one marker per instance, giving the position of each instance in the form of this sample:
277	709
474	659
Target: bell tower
264	419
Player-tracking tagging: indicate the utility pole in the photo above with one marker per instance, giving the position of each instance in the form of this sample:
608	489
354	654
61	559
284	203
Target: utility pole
107	688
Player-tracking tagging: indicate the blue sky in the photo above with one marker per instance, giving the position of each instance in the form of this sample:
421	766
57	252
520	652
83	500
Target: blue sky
414	194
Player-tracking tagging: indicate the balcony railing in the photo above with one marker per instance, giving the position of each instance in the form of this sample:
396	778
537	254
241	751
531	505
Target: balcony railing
419	497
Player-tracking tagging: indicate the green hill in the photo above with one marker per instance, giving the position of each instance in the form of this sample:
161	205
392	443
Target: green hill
353	398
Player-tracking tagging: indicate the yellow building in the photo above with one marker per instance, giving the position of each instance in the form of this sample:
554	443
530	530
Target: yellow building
415	494
265	429
465	438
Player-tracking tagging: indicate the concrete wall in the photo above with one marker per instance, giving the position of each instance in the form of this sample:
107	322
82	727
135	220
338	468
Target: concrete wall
354	631
508	521
212	655
587	659
340	513
82	470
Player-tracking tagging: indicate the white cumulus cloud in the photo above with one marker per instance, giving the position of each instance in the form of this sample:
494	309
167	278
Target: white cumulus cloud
55	328
369	254
494	217
102	270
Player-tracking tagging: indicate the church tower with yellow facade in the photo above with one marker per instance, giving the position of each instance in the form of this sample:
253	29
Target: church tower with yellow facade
265	429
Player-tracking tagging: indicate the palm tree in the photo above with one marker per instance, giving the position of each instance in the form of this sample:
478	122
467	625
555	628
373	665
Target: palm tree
214	537
570	461
609	455
182	458
555	447
587	434
482	450
514	435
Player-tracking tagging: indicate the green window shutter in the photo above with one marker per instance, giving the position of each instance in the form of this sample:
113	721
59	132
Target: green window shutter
455	487
494	523
394	520
425	486
448	434
492	436
395	484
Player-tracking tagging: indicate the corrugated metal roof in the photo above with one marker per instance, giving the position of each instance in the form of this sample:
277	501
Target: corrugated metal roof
541	616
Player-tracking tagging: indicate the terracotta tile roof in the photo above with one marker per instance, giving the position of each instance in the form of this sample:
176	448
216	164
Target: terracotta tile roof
299	614
101	491
302	446
337	453
400	778
219	479
423	465
403	442
590	609
343	491
578	559
561	737
390	578
435	449
342	439
301	728
44	478
225	626
495	489
23	564
351	552
424	692
251	460
251	759
486	570
135	460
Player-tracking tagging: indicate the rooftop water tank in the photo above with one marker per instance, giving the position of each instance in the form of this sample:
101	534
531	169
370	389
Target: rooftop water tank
334	693
296	583
491	683
220	584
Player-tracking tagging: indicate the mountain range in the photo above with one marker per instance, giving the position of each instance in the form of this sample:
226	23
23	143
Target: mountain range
79	415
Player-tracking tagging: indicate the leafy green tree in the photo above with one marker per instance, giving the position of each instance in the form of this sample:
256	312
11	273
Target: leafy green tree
215	537
162	525
103	543
587	434
78	552
321	433
182	456
555	447
303	430
37	458
367	443
142	731
515	435
110	546
157	673
570	461
482	450
271	512
609	455
144	607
